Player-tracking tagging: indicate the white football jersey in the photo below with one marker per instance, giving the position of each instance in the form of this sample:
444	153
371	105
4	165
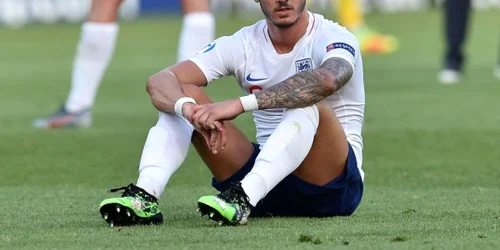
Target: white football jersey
250	56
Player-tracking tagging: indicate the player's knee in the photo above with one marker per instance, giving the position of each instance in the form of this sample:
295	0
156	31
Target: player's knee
323	106
325	110
154	88
152	84
311	112
194	6
104	11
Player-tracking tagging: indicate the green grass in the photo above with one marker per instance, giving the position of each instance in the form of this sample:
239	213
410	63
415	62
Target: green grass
431	151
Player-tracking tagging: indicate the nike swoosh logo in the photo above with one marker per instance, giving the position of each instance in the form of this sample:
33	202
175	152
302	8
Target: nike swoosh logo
209	47
250	79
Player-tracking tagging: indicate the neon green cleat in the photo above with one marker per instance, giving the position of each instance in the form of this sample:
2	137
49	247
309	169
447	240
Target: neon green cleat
231	207
135	207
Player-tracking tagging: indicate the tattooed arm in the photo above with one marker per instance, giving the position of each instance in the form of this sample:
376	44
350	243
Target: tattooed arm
308	87
301	90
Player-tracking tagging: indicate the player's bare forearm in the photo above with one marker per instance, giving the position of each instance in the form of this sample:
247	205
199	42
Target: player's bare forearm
307	88
164	89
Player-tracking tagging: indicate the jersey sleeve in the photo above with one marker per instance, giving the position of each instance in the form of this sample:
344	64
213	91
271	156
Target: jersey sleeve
220	58
336	41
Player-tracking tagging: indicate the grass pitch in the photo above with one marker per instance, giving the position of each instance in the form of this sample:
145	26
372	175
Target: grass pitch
431	151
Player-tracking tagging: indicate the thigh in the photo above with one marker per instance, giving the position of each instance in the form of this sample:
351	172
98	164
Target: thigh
328	155
104	11
237	152
192	6
296	197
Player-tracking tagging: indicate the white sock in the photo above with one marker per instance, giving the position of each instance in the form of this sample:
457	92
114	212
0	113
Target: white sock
197	31
283	152
165	149
94	52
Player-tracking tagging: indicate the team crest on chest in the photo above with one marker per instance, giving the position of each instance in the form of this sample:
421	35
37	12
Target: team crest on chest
303	65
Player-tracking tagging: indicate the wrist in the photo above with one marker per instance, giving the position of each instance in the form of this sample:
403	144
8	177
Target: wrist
179	106
249	102
187	109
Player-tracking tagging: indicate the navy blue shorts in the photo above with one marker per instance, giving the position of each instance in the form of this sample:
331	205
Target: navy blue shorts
295	197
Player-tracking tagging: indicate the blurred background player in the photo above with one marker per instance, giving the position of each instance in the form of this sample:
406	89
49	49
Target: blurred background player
456	15
95	50
457	18
349	14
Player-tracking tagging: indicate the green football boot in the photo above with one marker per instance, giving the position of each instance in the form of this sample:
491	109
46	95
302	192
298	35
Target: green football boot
231	207
134	207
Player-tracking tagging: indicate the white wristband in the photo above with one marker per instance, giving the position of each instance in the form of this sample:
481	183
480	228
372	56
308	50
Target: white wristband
249	102
178	104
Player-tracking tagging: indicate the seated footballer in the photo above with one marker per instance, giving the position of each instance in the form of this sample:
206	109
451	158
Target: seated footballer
304	78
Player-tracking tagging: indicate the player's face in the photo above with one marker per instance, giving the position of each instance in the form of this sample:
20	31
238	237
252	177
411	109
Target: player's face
283	13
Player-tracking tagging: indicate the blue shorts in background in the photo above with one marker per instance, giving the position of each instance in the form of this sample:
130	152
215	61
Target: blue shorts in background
295	197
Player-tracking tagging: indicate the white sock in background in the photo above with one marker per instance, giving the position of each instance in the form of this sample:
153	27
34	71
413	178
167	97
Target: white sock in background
94	52
165	149
198	30
283	152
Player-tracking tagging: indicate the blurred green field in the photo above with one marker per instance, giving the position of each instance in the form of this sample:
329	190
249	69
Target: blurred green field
431	151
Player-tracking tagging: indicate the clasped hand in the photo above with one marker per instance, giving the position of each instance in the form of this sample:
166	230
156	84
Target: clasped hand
208	119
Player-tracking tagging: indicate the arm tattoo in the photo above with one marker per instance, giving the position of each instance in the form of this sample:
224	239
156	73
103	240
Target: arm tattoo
308	87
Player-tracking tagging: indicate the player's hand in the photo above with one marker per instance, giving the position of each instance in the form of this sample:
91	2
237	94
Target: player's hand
215	138
206	115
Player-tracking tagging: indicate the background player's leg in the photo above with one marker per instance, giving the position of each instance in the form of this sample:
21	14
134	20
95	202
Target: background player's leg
96	47
198	28
456	21
94	52
348	13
